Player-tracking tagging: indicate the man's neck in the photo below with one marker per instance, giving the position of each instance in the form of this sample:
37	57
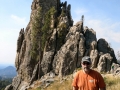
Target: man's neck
87	71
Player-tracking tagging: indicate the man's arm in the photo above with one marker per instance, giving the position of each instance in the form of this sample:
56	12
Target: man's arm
101	88
75	88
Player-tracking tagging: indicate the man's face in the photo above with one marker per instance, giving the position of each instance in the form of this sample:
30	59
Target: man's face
86	66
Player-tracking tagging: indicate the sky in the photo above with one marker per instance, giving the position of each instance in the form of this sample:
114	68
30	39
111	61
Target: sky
103	16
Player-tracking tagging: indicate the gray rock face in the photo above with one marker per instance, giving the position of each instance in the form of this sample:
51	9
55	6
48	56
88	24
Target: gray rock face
117	72
20	40
65	59
90	36
105	62
114	67
16	82
9	87
63	49
46	64
103	47
81	49
94	54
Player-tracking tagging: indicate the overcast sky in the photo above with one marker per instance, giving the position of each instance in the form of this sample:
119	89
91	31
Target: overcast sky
103	16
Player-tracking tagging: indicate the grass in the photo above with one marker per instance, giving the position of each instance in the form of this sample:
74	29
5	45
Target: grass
112	83
65	85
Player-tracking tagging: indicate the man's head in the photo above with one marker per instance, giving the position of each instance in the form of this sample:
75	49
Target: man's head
86	63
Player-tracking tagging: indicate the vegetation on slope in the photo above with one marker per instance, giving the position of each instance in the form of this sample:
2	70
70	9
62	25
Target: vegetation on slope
40	31
46	31
4	83
36	34
112	83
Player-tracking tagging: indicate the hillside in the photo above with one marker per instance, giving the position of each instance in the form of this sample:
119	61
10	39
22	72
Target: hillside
8	72
112	83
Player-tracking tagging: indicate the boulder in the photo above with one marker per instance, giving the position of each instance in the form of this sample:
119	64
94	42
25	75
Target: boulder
114	67
105	62
9	87
94	54
117	72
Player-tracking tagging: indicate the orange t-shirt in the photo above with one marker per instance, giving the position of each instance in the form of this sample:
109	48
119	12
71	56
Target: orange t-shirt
91	81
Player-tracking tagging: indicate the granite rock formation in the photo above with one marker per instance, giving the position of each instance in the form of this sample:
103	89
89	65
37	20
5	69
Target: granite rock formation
50	42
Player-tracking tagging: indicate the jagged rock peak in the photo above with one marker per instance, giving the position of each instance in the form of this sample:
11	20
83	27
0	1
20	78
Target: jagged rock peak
61	8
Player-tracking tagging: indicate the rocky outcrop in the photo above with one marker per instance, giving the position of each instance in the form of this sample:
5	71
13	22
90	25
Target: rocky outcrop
104	47
105	61
65	59
94	55
114	67
117	72
50	43
9	87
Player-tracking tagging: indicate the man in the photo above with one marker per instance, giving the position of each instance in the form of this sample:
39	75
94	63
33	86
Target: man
88	79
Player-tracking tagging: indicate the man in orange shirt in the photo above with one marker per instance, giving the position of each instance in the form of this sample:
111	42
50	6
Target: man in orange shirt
88	79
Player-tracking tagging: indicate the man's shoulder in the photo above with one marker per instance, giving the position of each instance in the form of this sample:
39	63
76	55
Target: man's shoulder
78	72
95	72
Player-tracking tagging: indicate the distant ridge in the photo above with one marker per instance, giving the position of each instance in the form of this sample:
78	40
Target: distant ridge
8	72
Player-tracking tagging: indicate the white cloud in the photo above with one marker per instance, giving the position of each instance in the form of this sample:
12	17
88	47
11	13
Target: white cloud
9	33
80	11
78	14
8	43
114	36
104	28
7	53
19	20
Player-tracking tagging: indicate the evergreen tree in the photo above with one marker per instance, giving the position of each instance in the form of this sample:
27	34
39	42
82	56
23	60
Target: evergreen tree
36	34
4	83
